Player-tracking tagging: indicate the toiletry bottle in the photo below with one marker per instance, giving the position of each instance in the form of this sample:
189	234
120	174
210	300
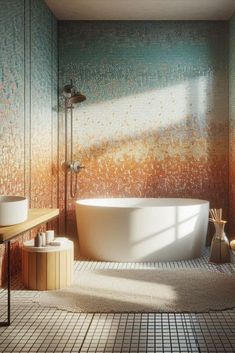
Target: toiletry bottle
38	240
43	238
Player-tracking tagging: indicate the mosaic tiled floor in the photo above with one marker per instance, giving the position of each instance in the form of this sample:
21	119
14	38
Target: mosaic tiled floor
37	329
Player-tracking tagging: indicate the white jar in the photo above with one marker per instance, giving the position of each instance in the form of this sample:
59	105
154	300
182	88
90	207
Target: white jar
50	235
43	238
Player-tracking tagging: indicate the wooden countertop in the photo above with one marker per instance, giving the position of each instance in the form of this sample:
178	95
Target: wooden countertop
36	217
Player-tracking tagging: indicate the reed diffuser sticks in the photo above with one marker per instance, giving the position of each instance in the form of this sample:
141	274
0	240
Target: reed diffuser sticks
216	215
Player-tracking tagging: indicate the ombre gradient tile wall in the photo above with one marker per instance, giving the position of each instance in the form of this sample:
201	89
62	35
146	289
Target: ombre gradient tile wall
158	119
155	122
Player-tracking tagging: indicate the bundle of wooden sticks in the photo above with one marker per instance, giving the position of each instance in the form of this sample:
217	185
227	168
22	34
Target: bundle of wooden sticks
216	215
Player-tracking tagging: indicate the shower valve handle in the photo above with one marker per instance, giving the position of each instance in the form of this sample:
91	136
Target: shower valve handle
76	167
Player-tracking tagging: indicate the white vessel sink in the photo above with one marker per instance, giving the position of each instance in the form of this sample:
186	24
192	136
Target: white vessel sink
13	210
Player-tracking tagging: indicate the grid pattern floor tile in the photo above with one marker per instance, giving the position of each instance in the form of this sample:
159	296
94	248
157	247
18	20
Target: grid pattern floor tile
40	329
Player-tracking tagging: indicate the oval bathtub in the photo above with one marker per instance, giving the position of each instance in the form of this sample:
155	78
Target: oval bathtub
141	229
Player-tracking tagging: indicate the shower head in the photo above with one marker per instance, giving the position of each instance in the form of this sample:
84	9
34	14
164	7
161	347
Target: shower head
77	98
72	97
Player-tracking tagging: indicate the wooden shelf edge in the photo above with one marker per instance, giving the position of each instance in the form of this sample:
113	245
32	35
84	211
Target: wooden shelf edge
36	216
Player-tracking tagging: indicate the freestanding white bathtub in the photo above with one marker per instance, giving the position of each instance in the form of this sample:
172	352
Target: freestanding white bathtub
141	229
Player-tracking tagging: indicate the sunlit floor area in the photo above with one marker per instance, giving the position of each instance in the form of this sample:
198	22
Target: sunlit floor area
39	329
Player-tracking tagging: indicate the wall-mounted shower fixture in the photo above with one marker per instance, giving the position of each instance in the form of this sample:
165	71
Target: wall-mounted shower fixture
72	97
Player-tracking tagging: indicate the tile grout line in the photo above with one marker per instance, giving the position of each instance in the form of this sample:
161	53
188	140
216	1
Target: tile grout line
88	328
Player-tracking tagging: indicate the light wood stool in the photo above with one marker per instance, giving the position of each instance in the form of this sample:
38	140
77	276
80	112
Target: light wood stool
48	267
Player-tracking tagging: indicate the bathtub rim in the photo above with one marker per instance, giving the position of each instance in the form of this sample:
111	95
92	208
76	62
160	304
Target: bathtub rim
172	202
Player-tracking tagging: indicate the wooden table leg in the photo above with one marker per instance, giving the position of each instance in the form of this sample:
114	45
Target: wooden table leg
8	322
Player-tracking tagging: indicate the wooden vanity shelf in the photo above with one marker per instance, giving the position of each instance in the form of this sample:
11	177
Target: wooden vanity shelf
36	216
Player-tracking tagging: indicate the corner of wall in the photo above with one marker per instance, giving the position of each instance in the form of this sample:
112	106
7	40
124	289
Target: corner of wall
232	126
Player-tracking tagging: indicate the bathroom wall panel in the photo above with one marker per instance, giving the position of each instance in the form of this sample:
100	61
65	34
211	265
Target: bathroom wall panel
12	105
155	122
54	116
41	105
12	99
28	114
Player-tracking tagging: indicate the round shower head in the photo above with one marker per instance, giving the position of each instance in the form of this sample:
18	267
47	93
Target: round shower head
77	98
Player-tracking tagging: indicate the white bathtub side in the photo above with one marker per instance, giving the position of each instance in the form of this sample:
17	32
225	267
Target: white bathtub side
142	234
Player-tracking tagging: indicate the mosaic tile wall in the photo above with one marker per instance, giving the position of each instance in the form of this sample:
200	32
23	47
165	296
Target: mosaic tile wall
232	125
28	114
155	122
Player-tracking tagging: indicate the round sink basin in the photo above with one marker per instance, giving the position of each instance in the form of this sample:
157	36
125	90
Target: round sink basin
13	210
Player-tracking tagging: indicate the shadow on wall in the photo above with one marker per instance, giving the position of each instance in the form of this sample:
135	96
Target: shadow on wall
182	156
155	122
113	59
16	252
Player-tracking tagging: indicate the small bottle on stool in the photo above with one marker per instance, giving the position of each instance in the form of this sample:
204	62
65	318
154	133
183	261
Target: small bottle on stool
38	240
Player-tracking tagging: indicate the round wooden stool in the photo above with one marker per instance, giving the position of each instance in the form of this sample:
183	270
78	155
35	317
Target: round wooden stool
48	267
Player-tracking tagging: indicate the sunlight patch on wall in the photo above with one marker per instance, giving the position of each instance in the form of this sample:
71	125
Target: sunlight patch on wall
174	118
135	114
